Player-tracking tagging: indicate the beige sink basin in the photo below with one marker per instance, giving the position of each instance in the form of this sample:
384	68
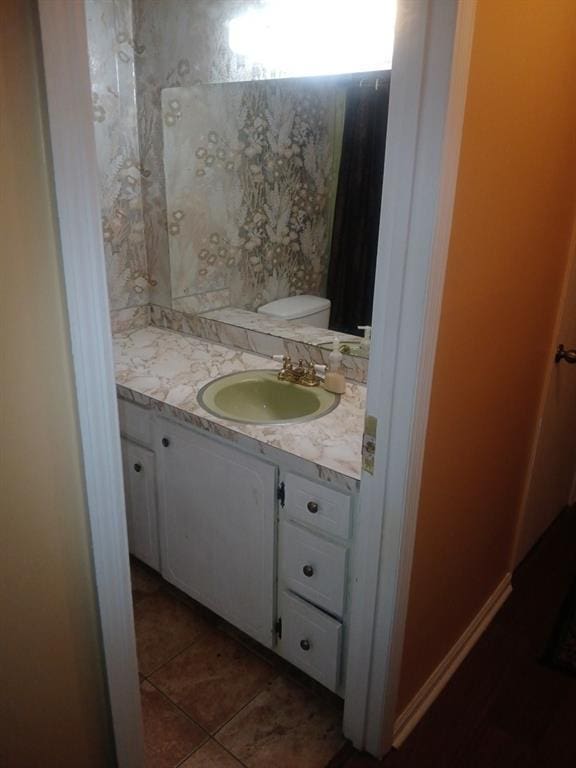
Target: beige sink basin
259	397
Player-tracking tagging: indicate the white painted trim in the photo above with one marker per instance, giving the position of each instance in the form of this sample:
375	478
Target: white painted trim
427	103
438	680
65	49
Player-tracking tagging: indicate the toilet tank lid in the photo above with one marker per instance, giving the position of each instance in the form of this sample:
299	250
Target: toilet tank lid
294	307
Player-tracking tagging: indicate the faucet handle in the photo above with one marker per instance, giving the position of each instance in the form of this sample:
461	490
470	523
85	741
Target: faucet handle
287	372
310	376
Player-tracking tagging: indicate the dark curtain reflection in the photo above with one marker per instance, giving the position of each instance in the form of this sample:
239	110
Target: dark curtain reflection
352	267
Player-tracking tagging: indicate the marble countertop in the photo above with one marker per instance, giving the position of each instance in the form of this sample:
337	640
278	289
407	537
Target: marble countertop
169	368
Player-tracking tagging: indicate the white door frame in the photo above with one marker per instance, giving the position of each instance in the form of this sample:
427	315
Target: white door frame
68	92
427	100
426	114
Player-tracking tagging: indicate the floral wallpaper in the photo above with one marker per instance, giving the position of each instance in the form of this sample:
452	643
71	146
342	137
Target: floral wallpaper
250	181
112	49
179	43
138	50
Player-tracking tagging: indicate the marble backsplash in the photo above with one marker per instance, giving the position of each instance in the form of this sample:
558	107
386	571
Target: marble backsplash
239	329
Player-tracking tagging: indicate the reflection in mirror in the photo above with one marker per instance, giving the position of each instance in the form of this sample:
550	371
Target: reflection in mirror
258	189
273	191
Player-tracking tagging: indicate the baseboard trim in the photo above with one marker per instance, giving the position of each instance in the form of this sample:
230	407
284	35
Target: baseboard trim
432	688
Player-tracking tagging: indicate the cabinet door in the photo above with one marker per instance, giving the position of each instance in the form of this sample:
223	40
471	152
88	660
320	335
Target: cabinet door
140	492
217	522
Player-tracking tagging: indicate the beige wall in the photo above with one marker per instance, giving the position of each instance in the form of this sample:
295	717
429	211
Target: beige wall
52	695
508	252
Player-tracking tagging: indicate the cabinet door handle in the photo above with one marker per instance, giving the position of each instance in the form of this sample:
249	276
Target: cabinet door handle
137	467
165	442
305	645
312	507
308	571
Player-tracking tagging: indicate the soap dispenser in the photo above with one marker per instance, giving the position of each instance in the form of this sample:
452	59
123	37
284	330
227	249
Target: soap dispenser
334	380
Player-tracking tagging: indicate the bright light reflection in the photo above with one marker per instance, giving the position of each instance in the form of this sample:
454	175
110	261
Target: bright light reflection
295	38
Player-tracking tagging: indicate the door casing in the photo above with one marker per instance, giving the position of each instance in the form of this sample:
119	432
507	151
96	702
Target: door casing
430	73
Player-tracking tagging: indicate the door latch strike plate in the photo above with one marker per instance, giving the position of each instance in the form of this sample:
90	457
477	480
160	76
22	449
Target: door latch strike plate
369	444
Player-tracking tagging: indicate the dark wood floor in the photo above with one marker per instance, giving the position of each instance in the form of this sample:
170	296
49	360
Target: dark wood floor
503	707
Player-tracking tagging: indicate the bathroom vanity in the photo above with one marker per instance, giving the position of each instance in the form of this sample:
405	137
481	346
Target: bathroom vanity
255	522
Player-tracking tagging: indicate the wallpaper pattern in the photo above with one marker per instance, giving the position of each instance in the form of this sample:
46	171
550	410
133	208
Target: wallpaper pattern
138	48
250	181
112	48
180	43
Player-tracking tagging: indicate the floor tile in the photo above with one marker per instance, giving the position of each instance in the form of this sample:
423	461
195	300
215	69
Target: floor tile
144	580
284	727
165	626
211	755
169	736
213	679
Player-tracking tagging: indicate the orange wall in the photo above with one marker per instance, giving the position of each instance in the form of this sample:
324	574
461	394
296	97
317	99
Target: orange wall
53	700
508	252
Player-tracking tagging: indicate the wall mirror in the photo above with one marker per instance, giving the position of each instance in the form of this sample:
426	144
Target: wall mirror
262	129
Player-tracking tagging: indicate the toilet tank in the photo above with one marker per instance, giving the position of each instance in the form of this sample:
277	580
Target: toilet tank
308	310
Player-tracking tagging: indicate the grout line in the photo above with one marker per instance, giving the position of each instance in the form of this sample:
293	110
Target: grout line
276	664
243	764
206	741
243	707
164	663
177	706
193	752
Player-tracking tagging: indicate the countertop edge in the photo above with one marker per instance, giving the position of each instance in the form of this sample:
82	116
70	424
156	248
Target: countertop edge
292	461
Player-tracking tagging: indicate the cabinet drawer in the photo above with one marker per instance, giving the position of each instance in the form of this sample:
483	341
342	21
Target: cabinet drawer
317	506
311	640
313	567
135	422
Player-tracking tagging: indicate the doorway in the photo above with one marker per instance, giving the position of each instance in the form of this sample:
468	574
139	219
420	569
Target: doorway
552	471
405	300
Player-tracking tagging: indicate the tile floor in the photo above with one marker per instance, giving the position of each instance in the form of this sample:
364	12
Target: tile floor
211	698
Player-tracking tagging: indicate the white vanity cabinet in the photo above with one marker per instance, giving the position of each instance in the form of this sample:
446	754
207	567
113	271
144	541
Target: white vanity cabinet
264	547
217	527
140	494
139	482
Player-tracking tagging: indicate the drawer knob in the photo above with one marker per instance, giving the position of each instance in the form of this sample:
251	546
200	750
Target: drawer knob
305	645
308	571
312	507
138	467
165	442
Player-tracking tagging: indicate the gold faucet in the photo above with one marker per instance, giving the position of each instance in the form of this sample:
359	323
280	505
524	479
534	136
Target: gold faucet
304	373
287	373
